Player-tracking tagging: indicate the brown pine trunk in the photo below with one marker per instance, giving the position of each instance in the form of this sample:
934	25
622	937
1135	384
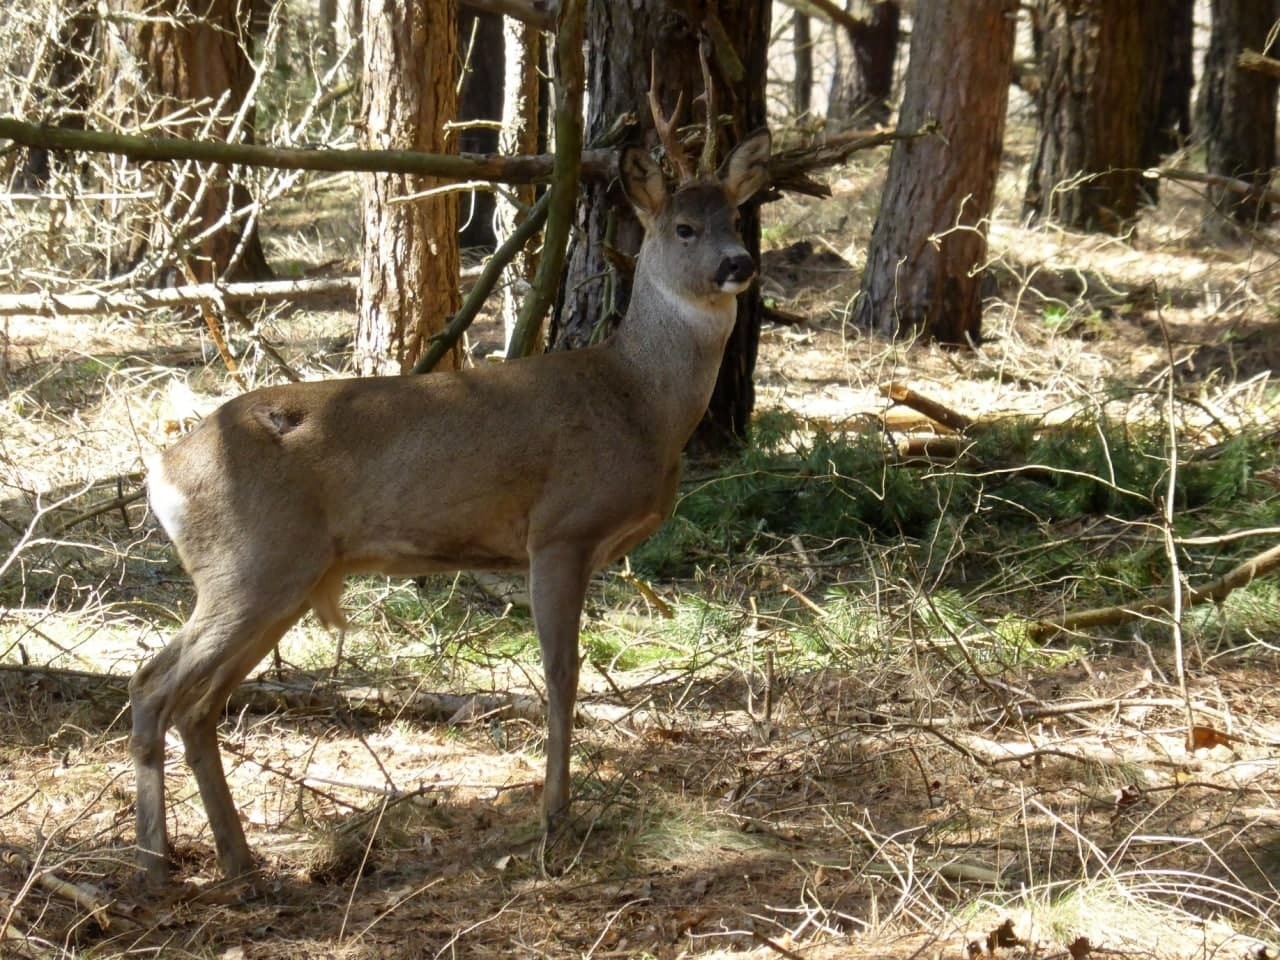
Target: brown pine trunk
1170	122
802	82
70	91
862	84
620	39
521	110
1239	107
930	235
169	59
409	267
1086	171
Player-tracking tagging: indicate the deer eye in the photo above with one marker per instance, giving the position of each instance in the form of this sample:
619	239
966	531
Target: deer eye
684	231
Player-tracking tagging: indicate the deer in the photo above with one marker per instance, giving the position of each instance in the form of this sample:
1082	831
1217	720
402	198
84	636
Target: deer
554	465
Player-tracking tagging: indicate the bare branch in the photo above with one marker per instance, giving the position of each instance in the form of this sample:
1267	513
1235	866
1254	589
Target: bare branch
467	166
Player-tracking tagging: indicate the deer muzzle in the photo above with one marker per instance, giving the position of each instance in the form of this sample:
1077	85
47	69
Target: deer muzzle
735	272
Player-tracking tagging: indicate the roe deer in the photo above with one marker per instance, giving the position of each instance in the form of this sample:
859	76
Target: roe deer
556	465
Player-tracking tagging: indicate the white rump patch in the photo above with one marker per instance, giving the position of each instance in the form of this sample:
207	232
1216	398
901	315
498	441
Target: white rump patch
167	501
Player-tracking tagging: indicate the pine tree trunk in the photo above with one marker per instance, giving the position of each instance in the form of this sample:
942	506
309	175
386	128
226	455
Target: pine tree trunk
862	84
802	82
620	40
1170	123
409	268
1239	108
1086	169
521	110
958	75
165	61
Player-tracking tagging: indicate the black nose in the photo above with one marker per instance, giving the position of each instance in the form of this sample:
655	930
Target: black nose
737	269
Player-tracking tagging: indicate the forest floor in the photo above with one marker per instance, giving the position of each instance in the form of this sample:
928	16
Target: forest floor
817	754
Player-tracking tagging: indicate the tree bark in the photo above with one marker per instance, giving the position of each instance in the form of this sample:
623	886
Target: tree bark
483	56
521	134
1086	167
69	91
930	236
862	83
409	267
167	63
620	41
1239	107
802	52
1170	120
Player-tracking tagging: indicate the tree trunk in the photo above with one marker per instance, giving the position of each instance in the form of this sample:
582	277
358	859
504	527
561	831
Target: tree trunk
69	93
1239	106
1170	123
862	83
621	38
930	235
190	74
521	126
802	82
409	268
483	57
1086	167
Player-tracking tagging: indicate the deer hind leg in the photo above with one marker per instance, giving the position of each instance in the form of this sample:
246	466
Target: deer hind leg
198	726
187	684
558	578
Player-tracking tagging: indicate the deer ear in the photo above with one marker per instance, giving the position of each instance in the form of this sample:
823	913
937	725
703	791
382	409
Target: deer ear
643	184
746	169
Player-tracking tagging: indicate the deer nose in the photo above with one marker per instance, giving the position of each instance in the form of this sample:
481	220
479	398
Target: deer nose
735	270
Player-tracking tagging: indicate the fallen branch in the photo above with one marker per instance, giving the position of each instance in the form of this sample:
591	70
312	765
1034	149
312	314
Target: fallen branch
951	419
64	304
1216	591
82	895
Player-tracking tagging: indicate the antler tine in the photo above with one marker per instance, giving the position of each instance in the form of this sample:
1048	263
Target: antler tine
667	126
707	162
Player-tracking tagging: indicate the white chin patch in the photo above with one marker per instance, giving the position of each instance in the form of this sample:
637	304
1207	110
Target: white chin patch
735	286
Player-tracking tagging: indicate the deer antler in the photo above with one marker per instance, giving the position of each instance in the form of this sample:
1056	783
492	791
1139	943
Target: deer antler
707	162
667	126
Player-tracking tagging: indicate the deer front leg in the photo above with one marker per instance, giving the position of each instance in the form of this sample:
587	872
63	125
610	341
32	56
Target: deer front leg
558	577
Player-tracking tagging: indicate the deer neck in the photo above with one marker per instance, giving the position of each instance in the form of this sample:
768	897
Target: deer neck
675	346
